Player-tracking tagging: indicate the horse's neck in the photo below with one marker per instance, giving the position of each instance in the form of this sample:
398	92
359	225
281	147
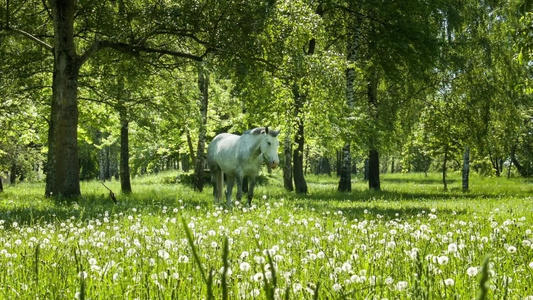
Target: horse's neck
251	146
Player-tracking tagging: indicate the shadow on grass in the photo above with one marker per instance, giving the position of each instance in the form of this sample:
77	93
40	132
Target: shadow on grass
27	210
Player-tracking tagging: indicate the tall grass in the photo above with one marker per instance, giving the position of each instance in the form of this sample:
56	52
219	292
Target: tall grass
411	240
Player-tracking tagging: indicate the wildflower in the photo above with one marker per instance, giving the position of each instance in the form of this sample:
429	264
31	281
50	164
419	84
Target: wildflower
531	265
442	260
472	271
401	285
452	248
245	267
258	277
163	254
82	274
336	287
389	280
511	249
449	282
346	267
296	287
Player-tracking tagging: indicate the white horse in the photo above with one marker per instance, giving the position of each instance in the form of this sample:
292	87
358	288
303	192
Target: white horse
239	157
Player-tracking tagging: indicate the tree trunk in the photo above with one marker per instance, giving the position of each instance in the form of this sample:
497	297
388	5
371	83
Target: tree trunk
191	150
287	165
373	170
298	153
444	169
66	181
373	157
13	172
125	183
203	85
466	168
345	181
1	185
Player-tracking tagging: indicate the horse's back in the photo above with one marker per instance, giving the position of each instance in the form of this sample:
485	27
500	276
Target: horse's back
221	148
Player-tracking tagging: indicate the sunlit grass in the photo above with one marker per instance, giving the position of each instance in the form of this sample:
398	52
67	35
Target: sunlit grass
411	240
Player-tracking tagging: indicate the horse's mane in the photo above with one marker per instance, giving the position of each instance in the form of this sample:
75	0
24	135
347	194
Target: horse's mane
259	130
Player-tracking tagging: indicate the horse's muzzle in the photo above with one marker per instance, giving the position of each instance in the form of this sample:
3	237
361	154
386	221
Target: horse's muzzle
274	164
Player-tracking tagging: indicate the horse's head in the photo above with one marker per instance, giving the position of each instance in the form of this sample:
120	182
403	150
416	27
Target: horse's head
269	147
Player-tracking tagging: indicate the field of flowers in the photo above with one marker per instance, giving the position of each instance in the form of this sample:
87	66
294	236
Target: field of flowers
411	241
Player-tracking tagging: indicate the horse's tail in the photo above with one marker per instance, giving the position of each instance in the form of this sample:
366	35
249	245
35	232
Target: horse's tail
220	185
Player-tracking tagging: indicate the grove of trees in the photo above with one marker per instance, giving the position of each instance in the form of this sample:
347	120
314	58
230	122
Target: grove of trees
101	89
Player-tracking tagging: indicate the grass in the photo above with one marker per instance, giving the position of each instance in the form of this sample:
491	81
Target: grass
410	241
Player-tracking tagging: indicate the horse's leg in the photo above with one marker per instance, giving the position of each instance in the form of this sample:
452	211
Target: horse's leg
239	187
251	190
214	181
230	181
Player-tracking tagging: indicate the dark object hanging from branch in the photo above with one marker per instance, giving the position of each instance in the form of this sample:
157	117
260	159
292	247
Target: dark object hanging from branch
111	194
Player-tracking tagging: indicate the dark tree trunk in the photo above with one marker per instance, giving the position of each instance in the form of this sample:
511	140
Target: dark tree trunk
203	85
1	185
64	89
392	166
125	183
298	153
287	164
373	170
13	172
466	169
345	182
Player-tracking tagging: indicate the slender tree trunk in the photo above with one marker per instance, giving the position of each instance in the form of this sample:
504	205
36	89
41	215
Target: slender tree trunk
444	168
287	166
13	172
1	185
191	148
466	169
298	153
64	89
373	156
203	85
511	163
125	183
345	181
102	163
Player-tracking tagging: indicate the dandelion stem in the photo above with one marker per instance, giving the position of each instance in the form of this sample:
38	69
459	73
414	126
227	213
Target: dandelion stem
208	281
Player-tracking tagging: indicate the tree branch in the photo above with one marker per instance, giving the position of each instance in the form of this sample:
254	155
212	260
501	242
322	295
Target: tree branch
133	50
31	37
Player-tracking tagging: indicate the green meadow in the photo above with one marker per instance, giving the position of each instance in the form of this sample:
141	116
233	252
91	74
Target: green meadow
413	240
